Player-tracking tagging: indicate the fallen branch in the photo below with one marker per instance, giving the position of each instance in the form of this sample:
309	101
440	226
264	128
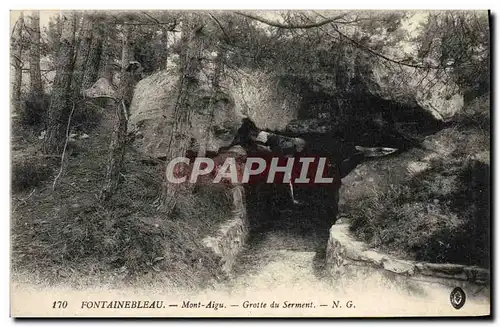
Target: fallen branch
23	200
125	113
65	146
29	196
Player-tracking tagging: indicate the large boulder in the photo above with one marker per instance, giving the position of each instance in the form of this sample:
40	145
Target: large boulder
102	88
311	125
264	99
151	117
256	95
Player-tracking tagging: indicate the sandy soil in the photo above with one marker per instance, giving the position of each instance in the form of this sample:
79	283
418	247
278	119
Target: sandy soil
277	266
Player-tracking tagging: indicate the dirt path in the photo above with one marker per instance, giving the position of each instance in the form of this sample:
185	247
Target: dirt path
286	263
277	259
283	265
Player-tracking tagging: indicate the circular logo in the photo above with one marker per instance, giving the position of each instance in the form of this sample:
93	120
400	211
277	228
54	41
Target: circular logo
457	298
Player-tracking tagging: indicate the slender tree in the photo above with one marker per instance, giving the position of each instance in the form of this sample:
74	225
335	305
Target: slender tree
60	105
190	57
94	55
34	58
106	59
16	61
130	75
85	39
216	76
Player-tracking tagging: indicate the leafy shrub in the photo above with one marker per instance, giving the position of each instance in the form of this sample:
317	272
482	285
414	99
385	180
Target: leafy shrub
27	174
33	110
86	116
476	113
128	237
440	215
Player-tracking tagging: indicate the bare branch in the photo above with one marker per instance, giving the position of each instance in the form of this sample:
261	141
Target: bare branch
288	26
152	18
14	29
42	70
367	49
220	26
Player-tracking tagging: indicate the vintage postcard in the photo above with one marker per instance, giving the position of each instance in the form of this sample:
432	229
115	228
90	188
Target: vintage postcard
250	163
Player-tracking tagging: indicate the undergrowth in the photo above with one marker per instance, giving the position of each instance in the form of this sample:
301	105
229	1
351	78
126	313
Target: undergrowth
67	233
443	213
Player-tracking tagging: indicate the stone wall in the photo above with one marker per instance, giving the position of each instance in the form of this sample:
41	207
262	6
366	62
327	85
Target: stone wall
345	255
232	235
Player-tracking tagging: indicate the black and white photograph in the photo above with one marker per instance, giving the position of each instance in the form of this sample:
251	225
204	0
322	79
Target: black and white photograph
250	163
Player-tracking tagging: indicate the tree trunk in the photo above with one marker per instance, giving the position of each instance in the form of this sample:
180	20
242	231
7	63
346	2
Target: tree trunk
17	50
60	105
189	69
94	56
82	54
218	69
35	74
128	80
105	64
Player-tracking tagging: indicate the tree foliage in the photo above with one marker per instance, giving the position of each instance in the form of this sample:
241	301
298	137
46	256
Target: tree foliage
460	40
